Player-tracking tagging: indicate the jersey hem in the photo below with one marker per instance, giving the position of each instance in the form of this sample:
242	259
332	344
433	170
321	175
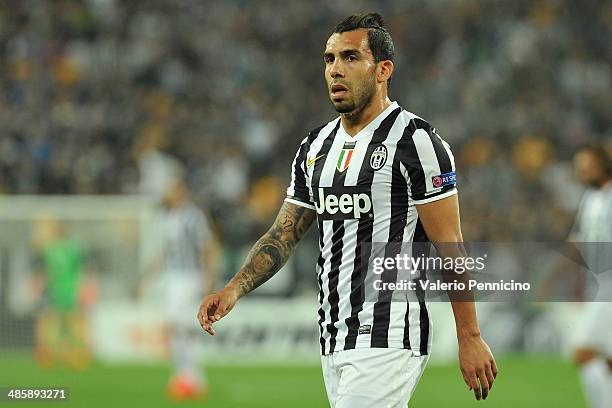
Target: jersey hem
300	203
392	344
436	197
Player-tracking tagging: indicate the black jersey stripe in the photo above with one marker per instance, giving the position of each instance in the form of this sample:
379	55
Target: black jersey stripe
316	175
336	262
364	235
420	248
313	134
407	327
410	158
334	275
400	155
399	218
321	264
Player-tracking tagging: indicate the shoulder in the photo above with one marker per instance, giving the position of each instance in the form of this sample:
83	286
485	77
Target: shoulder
325	128
193	213
414	123
313	135
587	196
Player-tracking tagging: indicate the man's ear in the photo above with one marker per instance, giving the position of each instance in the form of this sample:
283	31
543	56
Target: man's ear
386	70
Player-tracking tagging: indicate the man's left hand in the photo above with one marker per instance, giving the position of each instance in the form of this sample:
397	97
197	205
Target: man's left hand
477	365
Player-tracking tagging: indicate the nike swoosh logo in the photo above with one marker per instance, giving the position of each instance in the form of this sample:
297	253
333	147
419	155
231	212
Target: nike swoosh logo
310	162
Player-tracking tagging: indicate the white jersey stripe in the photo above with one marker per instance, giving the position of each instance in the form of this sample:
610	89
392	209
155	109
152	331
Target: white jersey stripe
427	156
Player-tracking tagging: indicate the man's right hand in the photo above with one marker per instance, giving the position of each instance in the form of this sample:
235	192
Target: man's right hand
214	307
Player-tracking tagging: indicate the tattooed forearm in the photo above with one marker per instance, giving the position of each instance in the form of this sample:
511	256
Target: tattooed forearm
272	250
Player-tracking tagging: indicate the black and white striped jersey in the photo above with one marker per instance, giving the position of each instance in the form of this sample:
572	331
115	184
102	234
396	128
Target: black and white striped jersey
186	231
593	227
594	218
364	189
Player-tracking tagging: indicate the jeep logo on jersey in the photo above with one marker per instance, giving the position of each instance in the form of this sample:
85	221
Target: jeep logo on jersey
378	158
353	203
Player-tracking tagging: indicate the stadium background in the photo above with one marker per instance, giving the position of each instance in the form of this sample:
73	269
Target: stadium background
229	88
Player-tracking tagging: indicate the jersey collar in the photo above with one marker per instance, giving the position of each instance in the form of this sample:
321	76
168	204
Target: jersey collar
371	127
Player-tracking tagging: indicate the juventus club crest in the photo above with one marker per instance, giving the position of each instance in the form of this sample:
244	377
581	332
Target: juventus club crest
378	158
345	156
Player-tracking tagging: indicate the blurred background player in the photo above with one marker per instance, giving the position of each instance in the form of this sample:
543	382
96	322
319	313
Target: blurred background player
186	269
62	331
593	229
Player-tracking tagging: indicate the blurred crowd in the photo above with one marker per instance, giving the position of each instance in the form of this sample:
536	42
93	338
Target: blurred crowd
94	90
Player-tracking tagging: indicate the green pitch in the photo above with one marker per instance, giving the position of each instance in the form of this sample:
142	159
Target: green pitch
523	383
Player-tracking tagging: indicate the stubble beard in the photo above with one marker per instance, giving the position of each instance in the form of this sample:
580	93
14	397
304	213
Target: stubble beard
345	108
353	110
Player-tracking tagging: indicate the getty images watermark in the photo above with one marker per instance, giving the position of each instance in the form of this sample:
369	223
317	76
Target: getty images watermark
411	268
489	271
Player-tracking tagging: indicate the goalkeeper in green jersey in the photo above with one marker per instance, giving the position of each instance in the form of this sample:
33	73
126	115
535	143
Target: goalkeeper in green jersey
62	333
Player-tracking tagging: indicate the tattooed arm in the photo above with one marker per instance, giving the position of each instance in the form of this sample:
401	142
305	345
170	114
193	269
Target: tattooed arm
272	250
267	257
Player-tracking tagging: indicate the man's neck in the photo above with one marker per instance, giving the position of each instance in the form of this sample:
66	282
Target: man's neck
605	183
355	121
177	203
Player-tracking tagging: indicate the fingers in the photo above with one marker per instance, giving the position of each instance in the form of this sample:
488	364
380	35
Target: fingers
490	376
471	380
205	314
474	385
484	384
214	308
466	381
215	314
208	329
478	382
478	367
494	368
207	309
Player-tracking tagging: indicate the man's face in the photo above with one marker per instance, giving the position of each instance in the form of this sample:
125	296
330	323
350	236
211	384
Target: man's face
350	70
588	169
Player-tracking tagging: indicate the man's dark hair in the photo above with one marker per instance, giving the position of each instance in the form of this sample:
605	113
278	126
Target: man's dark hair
603	155
379	39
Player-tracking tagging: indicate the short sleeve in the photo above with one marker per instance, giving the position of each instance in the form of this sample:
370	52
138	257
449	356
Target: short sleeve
428	163
298	191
